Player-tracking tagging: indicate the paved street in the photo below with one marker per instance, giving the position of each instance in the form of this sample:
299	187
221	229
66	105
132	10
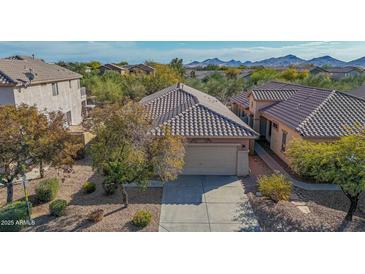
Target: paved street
206	203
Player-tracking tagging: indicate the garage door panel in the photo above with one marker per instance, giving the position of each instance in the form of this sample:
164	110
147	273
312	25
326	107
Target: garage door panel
210	160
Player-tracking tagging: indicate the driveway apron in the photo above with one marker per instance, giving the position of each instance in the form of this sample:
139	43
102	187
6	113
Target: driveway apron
206	203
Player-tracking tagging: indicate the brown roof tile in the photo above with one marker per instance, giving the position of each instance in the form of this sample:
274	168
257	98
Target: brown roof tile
192	113
17	70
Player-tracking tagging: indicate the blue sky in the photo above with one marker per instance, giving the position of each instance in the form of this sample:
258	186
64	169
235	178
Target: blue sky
135	52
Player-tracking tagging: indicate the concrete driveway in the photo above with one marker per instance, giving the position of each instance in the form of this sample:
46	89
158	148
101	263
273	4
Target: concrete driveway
206	203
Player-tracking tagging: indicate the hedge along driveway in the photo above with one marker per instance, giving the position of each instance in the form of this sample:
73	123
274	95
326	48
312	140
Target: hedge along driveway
206	203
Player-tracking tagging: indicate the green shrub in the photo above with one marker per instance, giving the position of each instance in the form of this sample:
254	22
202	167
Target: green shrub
57	207
47	190
109	186
13	217
88	187
142	218
275	186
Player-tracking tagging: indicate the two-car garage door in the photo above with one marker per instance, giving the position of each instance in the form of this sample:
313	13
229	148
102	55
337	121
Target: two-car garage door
211	159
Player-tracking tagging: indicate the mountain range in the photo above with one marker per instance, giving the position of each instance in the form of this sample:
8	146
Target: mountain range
280	62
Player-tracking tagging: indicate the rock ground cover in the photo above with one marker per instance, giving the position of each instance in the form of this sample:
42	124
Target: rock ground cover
327	208
116	217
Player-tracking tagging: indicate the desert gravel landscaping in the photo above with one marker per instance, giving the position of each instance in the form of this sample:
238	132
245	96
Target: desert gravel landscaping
116	217
327	208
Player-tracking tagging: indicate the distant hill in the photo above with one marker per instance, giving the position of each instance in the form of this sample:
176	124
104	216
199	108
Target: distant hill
358	62
326	61
280	62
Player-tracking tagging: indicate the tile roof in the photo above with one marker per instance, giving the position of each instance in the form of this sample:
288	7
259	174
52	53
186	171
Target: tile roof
241	99
140	66
273	91
319	113
245	73
339	69
113	67
192	113
18	70
358	92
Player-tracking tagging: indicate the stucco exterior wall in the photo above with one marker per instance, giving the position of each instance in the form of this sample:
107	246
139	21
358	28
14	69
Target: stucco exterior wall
68	99
254	109
6	96
276	138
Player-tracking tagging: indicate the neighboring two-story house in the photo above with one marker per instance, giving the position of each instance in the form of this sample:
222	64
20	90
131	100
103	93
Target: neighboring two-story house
49	87
282	111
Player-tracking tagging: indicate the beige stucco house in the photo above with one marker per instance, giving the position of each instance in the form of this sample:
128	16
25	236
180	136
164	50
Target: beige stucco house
281	112
217	141
126	69
337	73
31	81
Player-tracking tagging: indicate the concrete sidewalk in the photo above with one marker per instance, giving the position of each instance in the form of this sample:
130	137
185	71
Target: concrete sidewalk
274	165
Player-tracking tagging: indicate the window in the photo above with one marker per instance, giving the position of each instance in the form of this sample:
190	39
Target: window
68	117
283	140
70	84
55	89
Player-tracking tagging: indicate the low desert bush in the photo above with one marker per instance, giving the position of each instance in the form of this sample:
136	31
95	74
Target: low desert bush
13	217
109	186
142	218
57	207
96	215
88	187
275	187
47	190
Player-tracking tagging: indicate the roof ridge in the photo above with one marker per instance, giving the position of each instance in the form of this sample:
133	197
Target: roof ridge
198	102
175	112
156	125
7	76
300	85
351	95
314	112
164	92
227	118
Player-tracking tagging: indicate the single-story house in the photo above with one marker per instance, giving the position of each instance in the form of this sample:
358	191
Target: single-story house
217	141
202	74
337	73
247	104
281	112
246	73
139	68
113	67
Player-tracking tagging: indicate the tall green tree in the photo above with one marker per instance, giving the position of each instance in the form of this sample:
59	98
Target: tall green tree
177	65
125	151
341	162
27	138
